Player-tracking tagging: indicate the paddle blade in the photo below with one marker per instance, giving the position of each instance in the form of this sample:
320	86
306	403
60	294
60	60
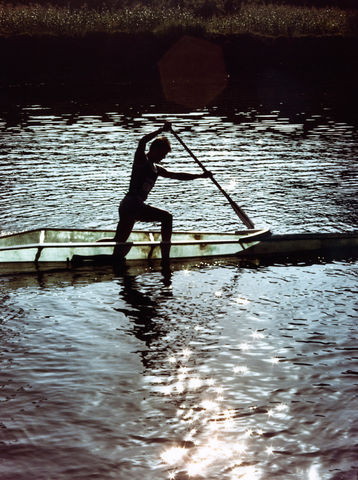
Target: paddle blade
242	215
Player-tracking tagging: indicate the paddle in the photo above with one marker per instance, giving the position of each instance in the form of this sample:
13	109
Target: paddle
238	210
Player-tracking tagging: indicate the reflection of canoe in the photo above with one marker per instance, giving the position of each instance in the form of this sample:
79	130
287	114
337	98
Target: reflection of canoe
62	245
65	245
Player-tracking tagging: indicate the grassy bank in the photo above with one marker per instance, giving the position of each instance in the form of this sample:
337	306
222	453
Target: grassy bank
271	20
96	48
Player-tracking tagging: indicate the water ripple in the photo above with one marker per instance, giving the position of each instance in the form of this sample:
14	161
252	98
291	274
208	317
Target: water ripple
229	372
289	176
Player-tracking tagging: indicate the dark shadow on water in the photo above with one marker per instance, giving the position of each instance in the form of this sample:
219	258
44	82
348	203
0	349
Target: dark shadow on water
290	92
141	292
142	308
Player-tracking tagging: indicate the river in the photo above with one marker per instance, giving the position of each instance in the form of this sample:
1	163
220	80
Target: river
222	372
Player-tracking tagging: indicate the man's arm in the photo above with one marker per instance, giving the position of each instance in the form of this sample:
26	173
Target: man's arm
182	175
150	136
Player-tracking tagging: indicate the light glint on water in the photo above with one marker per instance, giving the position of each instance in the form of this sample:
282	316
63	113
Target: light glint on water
231	372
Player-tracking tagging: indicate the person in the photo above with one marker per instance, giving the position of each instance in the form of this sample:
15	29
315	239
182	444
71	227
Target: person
145	171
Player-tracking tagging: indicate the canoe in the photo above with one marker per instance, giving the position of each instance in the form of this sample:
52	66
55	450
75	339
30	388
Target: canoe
65	245
71	246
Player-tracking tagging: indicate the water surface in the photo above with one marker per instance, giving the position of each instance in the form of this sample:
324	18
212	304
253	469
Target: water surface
296	173
221	371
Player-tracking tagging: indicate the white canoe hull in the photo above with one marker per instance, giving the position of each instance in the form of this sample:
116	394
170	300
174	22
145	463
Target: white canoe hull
61	245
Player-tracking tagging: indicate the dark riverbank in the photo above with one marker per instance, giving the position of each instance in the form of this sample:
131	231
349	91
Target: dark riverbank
99	63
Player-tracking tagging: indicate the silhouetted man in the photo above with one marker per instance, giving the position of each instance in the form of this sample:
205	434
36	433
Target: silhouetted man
145	171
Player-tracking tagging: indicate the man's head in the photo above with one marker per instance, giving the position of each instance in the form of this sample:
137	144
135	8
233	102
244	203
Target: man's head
159	149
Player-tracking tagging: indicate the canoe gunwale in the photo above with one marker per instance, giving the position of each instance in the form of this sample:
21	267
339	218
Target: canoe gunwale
124	244
67	244
312	236
251	244
155	232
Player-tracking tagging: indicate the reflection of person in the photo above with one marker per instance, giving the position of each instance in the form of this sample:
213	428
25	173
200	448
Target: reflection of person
145	172
142	308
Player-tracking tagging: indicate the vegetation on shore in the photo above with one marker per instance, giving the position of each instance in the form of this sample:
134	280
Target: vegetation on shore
162	17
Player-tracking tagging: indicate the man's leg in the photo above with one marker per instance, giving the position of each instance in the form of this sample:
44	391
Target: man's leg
124	228
153	214
167	228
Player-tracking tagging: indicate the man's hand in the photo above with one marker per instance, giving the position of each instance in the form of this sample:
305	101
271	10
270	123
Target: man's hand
167	127
207	174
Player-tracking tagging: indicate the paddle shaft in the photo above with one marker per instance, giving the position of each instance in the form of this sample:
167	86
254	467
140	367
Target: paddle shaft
238	210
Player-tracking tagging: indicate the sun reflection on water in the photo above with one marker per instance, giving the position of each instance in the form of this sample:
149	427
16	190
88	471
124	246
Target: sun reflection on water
241	301
214	436
244	346
274	360
257	335
207	421
245	473
173	455
241	369
231	185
